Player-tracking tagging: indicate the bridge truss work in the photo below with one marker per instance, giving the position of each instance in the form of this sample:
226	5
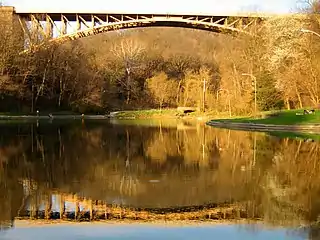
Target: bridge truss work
71	26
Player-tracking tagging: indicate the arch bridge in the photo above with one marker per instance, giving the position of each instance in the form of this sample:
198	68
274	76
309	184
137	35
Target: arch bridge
63	26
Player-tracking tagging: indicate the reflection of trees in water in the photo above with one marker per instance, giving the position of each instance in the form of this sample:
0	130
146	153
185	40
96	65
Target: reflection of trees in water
191	145
129	183
295	178
11	195
276	179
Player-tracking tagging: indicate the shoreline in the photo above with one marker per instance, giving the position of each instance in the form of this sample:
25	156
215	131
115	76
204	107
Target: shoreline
305	128
173	114
57	117
170	114
36	222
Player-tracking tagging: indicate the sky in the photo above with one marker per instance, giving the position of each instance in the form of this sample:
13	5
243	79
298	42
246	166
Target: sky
205	7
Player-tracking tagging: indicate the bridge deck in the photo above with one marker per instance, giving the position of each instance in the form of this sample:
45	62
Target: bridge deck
56	14
88	16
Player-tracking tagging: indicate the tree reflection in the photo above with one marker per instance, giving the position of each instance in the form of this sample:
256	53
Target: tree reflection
271	178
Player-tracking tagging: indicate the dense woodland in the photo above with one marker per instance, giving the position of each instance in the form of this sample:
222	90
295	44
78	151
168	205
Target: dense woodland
166	67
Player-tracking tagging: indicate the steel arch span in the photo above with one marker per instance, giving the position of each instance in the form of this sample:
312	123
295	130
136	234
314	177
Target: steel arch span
59	27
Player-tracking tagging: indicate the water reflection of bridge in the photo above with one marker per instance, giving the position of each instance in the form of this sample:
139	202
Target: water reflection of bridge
156	173
41	202
55	205
142	171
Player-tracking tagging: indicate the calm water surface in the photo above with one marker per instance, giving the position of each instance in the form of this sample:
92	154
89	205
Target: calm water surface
173	170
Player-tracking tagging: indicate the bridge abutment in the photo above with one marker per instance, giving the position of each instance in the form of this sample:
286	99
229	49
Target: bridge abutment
10	28
6	14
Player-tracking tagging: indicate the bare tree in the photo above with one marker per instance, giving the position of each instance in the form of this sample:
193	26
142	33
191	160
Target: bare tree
130	52
283	43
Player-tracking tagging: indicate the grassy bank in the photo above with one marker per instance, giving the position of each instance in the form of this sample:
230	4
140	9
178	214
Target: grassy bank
171	113
144	114
284	117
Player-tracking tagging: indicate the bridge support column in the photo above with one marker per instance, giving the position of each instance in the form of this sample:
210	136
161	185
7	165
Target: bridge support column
49	27
63	26
10	27
78	23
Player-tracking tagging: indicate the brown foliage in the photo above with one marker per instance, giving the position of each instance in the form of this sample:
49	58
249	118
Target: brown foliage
111	71
162	89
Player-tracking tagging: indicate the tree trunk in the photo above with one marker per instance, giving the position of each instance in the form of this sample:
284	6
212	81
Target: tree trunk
178	93
298	95
61	92
288	103
128	97
186	96
43	81
128	86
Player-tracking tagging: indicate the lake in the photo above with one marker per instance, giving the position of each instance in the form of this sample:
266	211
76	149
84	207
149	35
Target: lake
152	179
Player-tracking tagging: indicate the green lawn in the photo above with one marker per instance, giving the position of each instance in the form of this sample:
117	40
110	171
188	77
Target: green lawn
284	117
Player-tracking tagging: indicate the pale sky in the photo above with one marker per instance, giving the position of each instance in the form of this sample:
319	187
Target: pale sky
205	7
